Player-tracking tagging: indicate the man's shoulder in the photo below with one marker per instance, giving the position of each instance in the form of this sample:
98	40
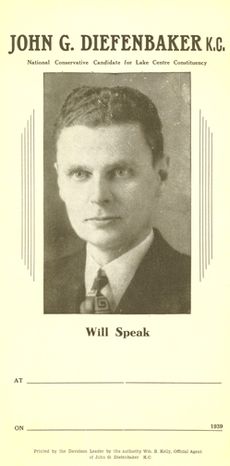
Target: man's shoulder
64	283
60	272
167	255
62	265
162	282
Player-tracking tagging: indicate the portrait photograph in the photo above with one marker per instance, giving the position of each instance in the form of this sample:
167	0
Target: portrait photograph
117	193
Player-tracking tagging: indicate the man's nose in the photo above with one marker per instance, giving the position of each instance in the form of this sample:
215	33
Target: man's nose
100	190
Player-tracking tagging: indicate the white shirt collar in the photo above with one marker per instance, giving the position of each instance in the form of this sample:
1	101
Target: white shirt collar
120	271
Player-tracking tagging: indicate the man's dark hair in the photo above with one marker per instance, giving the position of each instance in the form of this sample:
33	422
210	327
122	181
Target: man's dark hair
104	106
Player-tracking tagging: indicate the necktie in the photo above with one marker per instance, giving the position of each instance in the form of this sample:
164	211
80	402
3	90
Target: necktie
95	302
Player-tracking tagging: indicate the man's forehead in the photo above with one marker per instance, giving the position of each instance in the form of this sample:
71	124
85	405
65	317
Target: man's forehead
82	134
79	140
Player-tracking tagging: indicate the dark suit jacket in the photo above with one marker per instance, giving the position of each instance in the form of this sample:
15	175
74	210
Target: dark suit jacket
161	284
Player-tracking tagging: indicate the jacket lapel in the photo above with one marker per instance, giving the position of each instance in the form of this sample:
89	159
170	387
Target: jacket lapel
70	283
139	296
150	291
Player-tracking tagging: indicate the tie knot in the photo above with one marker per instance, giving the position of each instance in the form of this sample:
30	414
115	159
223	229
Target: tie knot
95	301
100	281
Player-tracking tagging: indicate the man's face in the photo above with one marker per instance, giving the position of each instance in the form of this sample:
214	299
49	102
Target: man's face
108	183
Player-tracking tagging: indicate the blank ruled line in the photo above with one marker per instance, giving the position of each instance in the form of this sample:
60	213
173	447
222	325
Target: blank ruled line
73	383
124	430
177	383
124	383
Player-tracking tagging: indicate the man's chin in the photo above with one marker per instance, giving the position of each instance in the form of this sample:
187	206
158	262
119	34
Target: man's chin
104	244
102	240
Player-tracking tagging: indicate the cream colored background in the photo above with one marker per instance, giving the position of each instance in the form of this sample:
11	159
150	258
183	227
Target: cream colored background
50	348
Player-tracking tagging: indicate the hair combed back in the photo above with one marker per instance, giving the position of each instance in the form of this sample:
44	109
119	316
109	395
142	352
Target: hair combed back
104	106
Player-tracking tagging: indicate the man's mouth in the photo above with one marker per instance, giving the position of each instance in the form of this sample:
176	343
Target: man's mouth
102	219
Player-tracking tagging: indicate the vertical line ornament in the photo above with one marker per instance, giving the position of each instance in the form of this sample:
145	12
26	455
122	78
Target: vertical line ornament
205	196
28	195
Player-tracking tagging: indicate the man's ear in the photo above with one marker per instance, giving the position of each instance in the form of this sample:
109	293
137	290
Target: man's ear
58	180
57	171
162	168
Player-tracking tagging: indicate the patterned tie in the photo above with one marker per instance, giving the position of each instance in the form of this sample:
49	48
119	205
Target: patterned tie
95	302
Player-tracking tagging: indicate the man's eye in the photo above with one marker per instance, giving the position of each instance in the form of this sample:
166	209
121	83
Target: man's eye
80	174
121	172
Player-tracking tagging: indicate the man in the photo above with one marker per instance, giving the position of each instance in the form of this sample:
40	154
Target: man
110	169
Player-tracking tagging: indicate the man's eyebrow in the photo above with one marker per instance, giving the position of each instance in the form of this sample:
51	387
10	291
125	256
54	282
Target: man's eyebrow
110	166
77	166
119	163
